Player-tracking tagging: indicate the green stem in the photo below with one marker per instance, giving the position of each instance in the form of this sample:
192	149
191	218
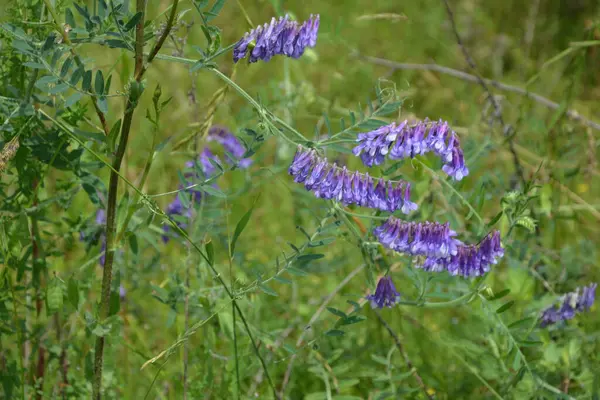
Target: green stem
464	299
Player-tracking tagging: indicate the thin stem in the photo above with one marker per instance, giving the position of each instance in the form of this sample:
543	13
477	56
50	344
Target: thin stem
233	304
377	217
130	107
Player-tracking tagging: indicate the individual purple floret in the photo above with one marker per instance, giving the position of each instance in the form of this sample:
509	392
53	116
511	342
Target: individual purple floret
469	260
570	304
328	181
418	238
281	36
406	141
122	292
385	294
231	144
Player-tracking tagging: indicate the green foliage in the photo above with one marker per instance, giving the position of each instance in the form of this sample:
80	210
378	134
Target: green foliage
257	294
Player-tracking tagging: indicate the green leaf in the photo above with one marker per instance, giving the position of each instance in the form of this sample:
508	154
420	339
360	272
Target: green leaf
133	21
34	65
210	252
337	312
520	322
214	11
58	88
99	83
54	297
73	292
72	99
65	67
499	295
102	104
268	290
309	257
239	228
86	85
77	74
44	81
133	244
335	332
213	192
495	219
295	271
505	307
69	18
281	279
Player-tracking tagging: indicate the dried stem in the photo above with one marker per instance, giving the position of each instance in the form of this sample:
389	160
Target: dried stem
572	114
111	210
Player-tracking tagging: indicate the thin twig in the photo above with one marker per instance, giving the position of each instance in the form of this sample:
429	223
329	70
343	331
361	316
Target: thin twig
497	110
312	320
407	361
572	114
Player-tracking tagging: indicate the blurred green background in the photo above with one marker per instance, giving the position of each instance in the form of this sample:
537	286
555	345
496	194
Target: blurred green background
459	352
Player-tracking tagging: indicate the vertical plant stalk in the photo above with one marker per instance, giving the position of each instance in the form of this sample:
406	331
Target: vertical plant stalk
113	186
67	41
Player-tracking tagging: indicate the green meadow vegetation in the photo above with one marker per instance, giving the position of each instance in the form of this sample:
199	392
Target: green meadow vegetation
258	288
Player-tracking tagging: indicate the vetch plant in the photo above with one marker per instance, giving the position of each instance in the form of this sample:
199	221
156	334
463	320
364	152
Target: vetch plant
197	227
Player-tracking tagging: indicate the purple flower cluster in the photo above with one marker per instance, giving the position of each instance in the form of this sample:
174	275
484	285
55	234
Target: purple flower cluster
406	141
385	295
328	181
231	144
469	260
572	303
281	36
418	238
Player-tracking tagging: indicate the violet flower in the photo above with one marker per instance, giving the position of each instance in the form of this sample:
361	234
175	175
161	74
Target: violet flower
399	141
418	238
328	181
570	304
279	37
385	295
469	260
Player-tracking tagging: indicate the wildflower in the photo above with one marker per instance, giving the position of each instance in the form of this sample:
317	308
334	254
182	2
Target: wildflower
385	294
418	238
328	181
570	304
179	213
231	144
407	141
469	260
282	36
122	292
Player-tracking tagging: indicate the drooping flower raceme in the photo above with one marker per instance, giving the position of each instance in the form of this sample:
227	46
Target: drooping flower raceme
418	238
399	141
570	304
385	295
469	260
328	181
281	36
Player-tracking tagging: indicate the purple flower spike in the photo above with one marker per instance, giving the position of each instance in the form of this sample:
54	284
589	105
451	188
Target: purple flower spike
418	238
570	304
385	295
328	181
469	260
407	141
279	37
